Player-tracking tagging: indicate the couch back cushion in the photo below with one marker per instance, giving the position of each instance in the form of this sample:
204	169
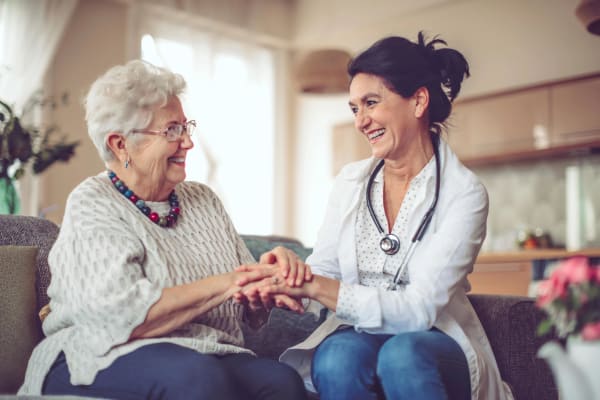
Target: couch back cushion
19	230
20	327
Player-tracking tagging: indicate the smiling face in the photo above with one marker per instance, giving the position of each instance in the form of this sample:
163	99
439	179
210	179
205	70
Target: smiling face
393	125
157	165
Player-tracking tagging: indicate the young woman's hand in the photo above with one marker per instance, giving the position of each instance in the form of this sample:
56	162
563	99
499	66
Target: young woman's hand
293	269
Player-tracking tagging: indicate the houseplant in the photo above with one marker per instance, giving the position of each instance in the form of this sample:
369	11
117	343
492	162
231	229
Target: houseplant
571	298
22	144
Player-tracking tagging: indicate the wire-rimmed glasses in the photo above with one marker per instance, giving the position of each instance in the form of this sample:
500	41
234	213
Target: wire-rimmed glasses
172	132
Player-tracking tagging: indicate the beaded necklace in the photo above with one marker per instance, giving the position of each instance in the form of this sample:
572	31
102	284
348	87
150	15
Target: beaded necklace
166	221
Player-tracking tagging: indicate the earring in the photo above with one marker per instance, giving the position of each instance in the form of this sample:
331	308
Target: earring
127	162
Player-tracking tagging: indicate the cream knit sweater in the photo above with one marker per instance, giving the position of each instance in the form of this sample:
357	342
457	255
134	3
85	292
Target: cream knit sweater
109	265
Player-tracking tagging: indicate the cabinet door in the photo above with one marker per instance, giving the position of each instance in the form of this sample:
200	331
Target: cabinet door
575	111
500	124
507	278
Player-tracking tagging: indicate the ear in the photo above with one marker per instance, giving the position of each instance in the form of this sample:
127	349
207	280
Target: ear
421	97
116	143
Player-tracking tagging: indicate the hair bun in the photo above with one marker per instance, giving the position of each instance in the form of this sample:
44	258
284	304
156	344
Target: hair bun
451	64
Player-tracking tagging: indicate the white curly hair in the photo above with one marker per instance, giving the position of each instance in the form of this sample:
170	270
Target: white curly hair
125	98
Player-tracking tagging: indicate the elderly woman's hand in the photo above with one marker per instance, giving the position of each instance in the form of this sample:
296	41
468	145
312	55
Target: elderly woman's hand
293	269
251	277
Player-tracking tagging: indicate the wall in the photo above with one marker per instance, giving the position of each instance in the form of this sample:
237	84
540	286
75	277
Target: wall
93	41
530	195
509	44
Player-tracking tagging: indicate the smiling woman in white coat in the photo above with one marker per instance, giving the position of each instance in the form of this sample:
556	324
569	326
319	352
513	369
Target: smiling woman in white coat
401	233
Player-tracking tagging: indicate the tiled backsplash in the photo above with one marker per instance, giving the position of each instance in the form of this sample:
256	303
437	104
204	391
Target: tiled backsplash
529	195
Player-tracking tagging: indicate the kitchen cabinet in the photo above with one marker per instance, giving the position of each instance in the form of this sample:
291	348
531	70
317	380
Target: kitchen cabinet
500	124
545	121
507	278
575	115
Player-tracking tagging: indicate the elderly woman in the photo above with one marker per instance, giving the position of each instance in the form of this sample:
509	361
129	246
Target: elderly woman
143	270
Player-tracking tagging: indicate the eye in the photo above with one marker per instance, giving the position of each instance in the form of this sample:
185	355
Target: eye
370	103
174	131
354	109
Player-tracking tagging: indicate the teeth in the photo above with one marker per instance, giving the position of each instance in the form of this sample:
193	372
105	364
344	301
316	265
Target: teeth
177	159
376	134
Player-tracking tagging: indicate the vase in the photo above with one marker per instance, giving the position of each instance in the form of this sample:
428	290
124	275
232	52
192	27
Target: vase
576	369
9	198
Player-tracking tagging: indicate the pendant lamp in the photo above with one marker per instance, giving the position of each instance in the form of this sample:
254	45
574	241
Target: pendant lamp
323	71
588	12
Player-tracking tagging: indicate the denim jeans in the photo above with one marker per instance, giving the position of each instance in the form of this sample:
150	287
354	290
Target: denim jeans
415	365
169	371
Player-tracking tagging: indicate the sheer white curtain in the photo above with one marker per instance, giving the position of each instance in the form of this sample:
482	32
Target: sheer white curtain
230	93
30	31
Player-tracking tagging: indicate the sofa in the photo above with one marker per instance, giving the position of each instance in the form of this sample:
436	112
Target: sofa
510	322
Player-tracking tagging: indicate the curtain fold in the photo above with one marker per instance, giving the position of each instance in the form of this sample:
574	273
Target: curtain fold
30	31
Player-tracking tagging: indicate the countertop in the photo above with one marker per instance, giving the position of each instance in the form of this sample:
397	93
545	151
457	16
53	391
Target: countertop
531	255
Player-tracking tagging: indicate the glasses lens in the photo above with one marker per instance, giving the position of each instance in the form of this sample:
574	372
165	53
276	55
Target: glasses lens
190	126
174	132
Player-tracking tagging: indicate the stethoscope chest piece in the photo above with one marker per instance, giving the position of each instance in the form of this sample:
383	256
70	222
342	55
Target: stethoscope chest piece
390	244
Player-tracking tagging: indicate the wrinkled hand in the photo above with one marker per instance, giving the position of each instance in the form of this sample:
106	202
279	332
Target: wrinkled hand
251	277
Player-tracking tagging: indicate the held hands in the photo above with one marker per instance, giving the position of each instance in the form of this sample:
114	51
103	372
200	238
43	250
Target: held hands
276	280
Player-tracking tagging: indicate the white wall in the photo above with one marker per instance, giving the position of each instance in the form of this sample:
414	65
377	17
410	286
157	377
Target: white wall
509	44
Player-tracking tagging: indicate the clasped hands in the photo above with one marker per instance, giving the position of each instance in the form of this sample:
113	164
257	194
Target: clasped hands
277	280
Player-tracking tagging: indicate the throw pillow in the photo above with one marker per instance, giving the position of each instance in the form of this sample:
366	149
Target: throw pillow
19	327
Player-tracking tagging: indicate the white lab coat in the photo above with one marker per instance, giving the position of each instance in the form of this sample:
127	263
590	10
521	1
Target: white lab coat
436	295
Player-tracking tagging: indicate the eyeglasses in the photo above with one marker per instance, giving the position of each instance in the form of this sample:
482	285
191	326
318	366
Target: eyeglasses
173	132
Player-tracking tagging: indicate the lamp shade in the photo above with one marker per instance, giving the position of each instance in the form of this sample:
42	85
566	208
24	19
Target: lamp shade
588	12
323	71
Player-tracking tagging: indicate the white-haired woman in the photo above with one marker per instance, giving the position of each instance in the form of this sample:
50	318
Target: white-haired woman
143	269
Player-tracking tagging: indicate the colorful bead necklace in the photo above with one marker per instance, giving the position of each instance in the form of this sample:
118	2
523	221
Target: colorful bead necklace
166	221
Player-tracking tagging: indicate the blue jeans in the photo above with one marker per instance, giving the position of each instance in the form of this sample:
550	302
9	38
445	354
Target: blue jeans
414	365
169	371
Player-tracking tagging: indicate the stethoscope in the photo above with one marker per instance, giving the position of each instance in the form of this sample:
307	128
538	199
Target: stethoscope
390	243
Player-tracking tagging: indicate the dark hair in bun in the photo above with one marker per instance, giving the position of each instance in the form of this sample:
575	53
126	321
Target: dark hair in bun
406	66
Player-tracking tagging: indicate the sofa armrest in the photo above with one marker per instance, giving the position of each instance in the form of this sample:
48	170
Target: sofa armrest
510	323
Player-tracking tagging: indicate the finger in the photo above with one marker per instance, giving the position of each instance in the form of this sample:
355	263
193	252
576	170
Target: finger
267	258
293	274
308	275
301	275
289	302
282	259
255	274
242	268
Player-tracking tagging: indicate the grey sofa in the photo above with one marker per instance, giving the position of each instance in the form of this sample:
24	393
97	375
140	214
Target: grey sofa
510	322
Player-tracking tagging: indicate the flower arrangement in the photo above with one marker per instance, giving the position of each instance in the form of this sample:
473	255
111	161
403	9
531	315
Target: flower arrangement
571	298
21	143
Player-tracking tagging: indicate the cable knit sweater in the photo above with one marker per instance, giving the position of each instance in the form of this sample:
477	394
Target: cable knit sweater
109	265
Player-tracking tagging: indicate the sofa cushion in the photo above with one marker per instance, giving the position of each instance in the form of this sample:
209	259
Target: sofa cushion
19	327
20	230
259	244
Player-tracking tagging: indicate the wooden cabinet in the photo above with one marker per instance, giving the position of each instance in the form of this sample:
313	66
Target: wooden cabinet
501	124
540	122
575	111
508	278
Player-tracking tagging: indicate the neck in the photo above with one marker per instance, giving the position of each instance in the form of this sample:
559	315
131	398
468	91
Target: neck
140	184
402	169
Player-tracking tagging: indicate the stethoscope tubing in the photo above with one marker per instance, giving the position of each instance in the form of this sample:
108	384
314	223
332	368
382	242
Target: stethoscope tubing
420	232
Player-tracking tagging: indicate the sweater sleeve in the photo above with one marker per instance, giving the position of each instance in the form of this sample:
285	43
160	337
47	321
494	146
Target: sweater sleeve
98	285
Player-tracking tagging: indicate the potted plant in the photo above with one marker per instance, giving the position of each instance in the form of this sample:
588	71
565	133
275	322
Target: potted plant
22	144
571	298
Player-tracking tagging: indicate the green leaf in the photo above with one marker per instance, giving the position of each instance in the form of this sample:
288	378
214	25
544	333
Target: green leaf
544	327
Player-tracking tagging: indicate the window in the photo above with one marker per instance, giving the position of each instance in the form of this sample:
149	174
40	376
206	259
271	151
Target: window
230	93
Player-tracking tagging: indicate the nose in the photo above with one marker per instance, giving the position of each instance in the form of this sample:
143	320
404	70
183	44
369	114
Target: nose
186	141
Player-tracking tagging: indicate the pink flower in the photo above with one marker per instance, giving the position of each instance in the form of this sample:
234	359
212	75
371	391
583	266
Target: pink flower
591	331
576	270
